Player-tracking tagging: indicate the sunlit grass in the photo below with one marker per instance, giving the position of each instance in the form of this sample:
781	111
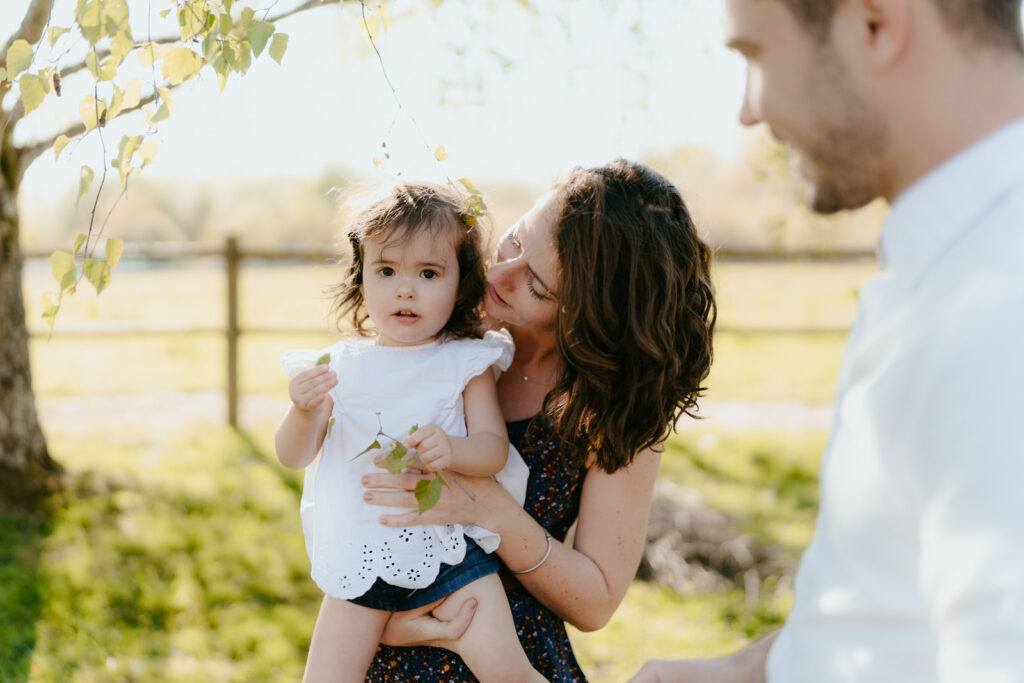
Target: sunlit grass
181	559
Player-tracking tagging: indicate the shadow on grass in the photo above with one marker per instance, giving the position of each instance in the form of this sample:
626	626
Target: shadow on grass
21	547
180	560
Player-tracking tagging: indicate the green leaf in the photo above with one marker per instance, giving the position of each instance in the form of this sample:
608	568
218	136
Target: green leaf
441	154
59	144
258	34
324	360
90	21
226	24
54	33
278	46
330	427
115	247
3	74
98	273
148	150
120	46
92	63
247	14
84	181
61	263
180	64
79	241
90	109
375	444
395	461
468	184
412	430
428	492
33	91
19	58
51	306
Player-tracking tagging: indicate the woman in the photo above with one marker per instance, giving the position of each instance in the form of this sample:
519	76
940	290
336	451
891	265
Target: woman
605	287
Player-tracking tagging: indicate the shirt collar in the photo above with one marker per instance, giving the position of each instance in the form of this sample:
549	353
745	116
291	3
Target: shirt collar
930	215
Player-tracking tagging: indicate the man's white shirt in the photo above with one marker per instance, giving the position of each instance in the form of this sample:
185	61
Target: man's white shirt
916	570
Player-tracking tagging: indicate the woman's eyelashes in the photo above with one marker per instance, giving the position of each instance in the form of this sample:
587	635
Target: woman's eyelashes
533	289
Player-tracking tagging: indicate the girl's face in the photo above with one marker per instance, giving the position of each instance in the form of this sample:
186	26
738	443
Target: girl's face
409	286
522	285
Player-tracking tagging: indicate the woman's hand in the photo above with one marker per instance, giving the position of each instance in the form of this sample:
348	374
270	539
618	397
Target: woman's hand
464	500
421	627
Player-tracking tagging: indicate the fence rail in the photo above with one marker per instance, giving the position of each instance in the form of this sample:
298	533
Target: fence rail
234	255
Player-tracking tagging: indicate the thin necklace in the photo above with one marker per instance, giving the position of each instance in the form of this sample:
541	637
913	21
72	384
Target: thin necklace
526	378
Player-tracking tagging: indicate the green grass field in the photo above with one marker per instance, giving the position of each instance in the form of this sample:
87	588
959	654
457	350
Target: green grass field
181	559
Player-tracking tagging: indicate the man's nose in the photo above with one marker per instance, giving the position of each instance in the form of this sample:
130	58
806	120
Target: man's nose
747	117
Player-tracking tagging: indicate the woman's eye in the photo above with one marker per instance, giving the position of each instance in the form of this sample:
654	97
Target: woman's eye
533	291
429	274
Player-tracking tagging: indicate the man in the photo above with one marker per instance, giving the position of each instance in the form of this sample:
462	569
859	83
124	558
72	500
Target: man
916	570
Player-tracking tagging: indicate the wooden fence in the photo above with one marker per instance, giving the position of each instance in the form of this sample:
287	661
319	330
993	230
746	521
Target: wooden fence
234	255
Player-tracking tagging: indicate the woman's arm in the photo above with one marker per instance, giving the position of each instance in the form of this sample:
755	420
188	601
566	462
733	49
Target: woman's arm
583	584
484	449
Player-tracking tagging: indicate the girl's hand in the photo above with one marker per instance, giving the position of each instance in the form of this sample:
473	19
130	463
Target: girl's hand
433	447
466	500
308	389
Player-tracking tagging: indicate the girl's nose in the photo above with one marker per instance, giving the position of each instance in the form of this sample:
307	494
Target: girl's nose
405	291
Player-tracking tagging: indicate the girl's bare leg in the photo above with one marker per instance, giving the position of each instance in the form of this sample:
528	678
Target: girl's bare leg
344	642
490	646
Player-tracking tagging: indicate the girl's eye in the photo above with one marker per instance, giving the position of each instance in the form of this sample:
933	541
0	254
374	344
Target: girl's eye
428	274
386	271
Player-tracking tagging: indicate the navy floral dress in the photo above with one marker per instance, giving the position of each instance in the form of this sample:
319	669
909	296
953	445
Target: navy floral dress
553	499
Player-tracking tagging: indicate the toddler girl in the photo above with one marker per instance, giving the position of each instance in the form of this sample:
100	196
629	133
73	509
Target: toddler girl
417	274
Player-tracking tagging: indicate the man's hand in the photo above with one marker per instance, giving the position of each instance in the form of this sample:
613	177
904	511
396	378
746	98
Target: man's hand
745	666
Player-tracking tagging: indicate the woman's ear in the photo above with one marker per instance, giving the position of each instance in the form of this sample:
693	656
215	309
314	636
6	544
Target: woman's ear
873	35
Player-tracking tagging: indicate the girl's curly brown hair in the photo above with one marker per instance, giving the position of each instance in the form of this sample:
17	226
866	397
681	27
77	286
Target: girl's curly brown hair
409	207
636	315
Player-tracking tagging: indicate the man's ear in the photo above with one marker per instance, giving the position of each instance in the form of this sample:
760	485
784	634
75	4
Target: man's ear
874	34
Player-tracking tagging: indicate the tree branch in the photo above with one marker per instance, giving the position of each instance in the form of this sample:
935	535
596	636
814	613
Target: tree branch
36	17
31	151
169	40
32	25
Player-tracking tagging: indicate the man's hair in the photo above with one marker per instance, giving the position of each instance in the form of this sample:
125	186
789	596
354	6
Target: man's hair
990	22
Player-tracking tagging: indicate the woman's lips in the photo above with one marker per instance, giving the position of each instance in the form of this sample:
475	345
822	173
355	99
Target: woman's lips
494	293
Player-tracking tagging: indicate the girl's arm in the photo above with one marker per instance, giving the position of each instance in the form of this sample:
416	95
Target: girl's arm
582	584
485	448
301	432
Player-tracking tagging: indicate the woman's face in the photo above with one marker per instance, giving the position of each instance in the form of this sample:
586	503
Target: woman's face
522	287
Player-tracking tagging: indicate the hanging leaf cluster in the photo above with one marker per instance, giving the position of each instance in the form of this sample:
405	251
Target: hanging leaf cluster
427	491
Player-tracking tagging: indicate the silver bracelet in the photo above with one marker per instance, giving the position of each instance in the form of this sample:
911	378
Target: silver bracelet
542	560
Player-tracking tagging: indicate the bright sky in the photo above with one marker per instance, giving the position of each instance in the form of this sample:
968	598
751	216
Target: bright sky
578	92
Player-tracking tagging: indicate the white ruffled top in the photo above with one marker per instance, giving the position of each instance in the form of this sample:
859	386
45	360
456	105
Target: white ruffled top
406	385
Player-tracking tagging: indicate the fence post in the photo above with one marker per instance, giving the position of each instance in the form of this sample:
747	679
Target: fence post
232	258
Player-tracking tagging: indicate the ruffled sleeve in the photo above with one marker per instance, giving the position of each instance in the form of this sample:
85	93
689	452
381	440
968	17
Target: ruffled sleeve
494	351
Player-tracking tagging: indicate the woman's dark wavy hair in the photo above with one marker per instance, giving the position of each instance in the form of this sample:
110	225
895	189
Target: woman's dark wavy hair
407	208
636	316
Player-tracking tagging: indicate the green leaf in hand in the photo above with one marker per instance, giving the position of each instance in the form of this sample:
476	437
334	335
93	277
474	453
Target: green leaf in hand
330	428
428	492
375	444
324	360
396	461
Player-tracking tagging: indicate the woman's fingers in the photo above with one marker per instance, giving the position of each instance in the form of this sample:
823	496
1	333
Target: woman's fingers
398	499
384	480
